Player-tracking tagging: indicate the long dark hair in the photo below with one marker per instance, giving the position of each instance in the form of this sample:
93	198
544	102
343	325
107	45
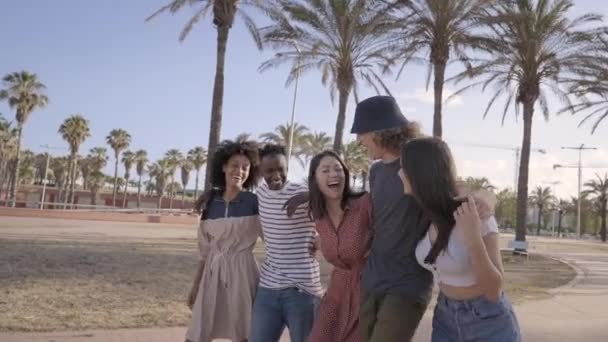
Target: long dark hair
317	208
429	167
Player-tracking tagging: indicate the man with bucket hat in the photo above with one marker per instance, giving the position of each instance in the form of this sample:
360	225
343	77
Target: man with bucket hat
395	289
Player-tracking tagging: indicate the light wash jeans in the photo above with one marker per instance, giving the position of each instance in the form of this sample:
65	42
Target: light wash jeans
275	309
474	320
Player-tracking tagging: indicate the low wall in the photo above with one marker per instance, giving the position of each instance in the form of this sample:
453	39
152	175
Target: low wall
99	216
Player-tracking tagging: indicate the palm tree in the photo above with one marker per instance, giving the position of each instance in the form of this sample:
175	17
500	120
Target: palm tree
27	169
74	130
40	166
542	199
119	140
314	34
128	158
224	13
474	184
96	182
173	157
160	171
533	45
433	32
506	203
243	137
313	144
563	207
85	171
591	87
141	160
98	158
281	136
150	187
24	93
598	188
356	159
8	146
59	166
186	167
198	156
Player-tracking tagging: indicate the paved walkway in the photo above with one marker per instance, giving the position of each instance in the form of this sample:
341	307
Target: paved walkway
577	312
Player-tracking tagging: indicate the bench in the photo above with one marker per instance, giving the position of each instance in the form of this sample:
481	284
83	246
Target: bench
519	248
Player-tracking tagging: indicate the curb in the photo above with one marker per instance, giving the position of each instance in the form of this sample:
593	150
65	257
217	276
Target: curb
580	275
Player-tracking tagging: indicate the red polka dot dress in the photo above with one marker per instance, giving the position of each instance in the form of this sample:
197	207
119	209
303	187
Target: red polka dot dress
345	247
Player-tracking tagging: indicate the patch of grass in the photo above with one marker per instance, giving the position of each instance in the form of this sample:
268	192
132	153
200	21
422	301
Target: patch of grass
48	285
531	278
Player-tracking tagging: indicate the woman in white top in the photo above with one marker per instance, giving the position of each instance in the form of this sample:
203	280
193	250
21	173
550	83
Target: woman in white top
460	248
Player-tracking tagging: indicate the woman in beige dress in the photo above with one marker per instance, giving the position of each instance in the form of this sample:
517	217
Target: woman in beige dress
224	287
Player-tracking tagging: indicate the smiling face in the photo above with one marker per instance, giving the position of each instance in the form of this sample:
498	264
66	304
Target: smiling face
274	171
330	177
236	171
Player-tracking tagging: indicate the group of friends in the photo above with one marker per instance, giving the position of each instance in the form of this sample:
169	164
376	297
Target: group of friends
417	224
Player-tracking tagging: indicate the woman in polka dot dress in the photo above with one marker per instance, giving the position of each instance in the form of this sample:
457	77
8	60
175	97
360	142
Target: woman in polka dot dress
343	220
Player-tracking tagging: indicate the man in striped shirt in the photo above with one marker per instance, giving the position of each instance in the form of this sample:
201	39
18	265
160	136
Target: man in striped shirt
290	284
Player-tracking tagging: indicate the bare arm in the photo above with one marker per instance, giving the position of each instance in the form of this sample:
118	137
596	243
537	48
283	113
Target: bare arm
487	266
484	251
293	203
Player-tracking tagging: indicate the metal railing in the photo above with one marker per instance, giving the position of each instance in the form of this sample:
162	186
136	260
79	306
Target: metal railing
98	208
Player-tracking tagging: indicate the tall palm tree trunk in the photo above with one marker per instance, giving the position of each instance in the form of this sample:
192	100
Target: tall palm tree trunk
73	180
172	192
195	185
522	186
66	186
3	177
540	215
124	197
603	220
184	199
139	193
560	214
115	180
439	69
12	194
340	122
218	99
159	202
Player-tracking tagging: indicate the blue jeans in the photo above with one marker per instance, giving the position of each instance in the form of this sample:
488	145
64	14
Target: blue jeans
275	309
474	320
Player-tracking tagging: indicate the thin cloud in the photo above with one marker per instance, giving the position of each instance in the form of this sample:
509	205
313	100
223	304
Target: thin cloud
424	96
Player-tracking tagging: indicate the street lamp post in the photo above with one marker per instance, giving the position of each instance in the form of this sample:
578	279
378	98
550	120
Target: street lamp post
293	107
46	172
579	167
580	176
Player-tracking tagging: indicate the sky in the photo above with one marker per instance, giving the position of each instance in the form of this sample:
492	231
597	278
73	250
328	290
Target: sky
102	60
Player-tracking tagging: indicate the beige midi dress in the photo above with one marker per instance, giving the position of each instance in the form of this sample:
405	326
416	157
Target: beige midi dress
222	309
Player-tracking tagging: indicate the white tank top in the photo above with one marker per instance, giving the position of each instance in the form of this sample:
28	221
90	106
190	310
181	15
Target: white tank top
453	265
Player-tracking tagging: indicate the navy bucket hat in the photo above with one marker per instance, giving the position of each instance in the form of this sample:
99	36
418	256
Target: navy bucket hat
377	113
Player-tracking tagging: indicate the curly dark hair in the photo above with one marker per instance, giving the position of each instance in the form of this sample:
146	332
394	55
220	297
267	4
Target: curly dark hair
272	150
392	139
224	152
